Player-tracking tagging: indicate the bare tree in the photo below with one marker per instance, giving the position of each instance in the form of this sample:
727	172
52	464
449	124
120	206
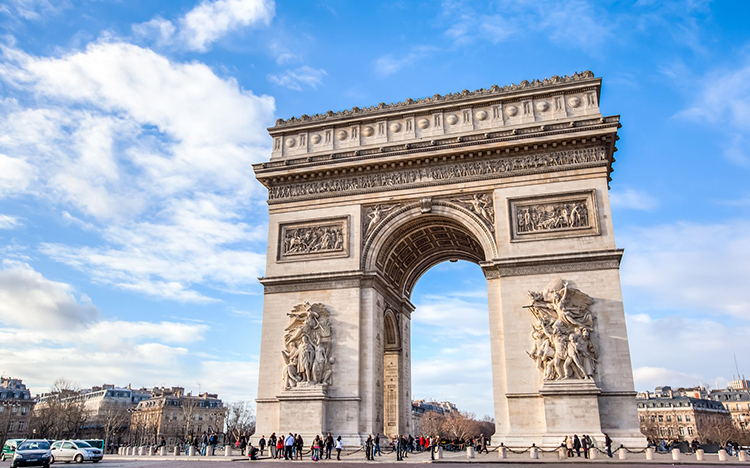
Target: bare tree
114	419
240	419
461	425
721	431
189	407
432	424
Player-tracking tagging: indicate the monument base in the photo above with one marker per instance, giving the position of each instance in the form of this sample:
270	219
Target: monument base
571	407
302	410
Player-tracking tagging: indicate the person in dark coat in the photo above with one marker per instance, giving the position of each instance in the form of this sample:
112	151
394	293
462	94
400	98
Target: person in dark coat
329	446
608	444
262	444
585	445
577	445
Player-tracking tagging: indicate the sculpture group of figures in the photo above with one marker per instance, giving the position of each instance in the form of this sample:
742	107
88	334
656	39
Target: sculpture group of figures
552	216
562	333
480	205
307	347
313	239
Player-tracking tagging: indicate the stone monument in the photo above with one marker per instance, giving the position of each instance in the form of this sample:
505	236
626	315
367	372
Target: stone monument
364	201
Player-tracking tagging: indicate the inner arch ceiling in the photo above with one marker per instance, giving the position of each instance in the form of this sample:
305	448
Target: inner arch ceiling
421	243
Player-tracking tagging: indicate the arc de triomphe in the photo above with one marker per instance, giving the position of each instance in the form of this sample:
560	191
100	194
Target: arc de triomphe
363	202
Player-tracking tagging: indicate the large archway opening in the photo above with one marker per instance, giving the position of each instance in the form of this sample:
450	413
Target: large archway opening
450	349
444	247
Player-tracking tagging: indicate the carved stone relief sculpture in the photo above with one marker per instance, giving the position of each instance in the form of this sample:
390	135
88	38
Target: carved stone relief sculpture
481	205
307	347
562	215
373	216
563	345
313	239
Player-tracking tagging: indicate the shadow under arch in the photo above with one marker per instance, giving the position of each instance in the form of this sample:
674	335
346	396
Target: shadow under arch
410	241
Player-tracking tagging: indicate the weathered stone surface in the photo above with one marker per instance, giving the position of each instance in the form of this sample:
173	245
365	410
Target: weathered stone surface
364	202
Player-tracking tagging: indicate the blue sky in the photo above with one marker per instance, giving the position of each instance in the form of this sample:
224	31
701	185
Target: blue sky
132	230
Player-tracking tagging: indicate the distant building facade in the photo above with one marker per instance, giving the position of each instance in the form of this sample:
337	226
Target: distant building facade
671	415
420	407
173	415
15	408
736	399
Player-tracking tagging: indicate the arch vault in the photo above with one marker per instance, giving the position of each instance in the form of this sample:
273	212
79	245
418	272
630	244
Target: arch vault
363	202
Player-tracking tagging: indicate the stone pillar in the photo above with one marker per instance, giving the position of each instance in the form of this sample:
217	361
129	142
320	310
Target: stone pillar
227	450
502	452
593	455
649	453
191	451
151	451
676	454
176	451
622	453
562	453
742	455
470	452
700	454
534	453
722	455
439	455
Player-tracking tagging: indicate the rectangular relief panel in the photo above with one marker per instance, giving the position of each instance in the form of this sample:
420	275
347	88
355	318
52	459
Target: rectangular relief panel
570	214
313	240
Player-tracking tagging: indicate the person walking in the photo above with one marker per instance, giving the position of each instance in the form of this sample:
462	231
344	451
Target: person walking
608	444
585	445
397	447
316	448
577	445
329	446
288	446
377	451
368	448
280	446
262	444
339	446
243	444
402	443
483	440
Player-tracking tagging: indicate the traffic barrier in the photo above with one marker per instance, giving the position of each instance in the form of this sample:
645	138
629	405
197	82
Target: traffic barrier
676	454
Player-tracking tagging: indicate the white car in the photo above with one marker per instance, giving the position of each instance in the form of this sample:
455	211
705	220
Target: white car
75	450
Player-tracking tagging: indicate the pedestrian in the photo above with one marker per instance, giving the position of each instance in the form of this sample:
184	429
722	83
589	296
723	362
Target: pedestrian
204	443
299	445
272	445
368	448
569	446
402	443
212	440
608	444
243	444
262	444
585	445
376	450
252	452
280	447
288	446
339	446
397	447
329	446
577	445
483	439
316	448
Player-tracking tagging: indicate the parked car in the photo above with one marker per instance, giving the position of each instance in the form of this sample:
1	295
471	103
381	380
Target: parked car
32	452
9	448
75	450
96	443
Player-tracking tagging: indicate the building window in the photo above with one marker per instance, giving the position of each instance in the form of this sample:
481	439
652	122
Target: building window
669	418
738	407
682	431
690	430
687	417
20	425
11	426
24	410
15	409
643	419
679	418
663	431
661	418
671	432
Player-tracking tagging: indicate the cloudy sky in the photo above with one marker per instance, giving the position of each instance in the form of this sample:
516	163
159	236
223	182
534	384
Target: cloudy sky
132	230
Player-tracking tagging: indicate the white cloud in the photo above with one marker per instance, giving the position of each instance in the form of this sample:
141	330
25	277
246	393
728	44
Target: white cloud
48	333
207	23
35	9
632	199
9	222
27	299
681	351
156	155
723	100
15	175
575	23
702	268
390	64
299	78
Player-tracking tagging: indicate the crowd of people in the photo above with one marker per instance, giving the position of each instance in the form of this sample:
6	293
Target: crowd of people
292	446
575	445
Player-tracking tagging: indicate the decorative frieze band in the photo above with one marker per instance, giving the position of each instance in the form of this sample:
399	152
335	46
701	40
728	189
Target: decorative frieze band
441	174
547	264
